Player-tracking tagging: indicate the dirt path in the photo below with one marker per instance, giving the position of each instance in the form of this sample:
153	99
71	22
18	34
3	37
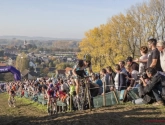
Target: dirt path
27	114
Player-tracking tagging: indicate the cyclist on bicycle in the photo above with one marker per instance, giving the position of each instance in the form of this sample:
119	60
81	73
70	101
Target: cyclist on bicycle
50	93
11	99
79	70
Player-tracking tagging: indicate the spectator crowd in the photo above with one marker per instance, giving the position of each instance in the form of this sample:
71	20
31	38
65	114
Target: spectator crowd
145	75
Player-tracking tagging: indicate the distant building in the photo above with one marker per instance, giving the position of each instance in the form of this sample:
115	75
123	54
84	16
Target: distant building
60	73
69	59
3	46
38	70
11	62
3	64
45	59
25	43
26	74
12	51
68	71
52	69
33	75
31	64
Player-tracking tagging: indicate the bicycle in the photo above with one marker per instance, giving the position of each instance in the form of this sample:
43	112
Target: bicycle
85	97
52	108
11	100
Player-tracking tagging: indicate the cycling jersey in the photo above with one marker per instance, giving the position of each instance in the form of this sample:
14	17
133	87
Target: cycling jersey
57	87
50	90
50	93
50	86
12	92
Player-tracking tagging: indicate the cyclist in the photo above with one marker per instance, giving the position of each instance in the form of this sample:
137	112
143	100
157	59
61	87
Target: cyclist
80	70
11	99
50	94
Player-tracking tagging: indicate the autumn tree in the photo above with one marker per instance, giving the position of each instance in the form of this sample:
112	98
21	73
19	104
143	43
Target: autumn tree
45	71
8	77
124	34
63	65
22	62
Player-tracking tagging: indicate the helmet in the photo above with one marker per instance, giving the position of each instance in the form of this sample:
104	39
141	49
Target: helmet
87	57
51	85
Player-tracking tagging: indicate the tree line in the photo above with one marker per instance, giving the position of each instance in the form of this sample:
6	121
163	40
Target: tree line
123	34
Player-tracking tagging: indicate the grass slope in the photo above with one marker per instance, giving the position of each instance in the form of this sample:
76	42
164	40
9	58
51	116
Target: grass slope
30	113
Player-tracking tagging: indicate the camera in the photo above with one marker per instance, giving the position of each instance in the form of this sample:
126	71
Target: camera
143	75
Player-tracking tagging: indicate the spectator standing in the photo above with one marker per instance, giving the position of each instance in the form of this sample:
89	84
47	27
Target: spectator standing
143	59
154	55
122	66
105	79
112	75
120	79
161	47
99	83
134	65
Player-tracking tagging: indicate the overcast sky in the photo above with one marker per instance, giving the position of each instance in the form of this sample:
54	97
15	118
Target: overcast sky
57	18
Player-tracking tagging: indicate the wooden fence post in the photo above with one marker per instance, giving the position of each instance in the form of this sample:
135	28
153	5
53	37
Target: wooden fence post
104	98
70	102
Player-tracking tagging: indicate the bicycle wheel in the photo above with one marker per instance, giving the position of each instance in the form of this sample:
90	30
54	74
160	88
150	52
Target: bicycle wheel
85	98
55	108
51	108
88	96
81	99
13	101
9	102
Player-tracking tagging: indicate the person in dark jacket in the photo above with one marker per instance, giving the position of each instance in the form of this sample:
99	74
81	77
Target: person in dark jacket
111	76
156	85
105	79
120	79
122	66
134	65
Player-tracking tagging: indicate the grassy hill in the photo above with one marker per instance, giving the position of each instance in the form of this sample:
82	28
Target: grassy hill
30	113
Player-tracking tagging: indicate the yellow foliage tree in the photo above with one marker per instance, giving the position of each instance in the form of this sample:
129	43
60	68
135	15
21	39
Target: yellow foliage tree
123	34
22	62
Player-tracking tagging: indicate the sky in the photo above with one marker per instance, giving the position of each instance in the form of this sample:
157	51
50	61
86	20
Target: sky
57	18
